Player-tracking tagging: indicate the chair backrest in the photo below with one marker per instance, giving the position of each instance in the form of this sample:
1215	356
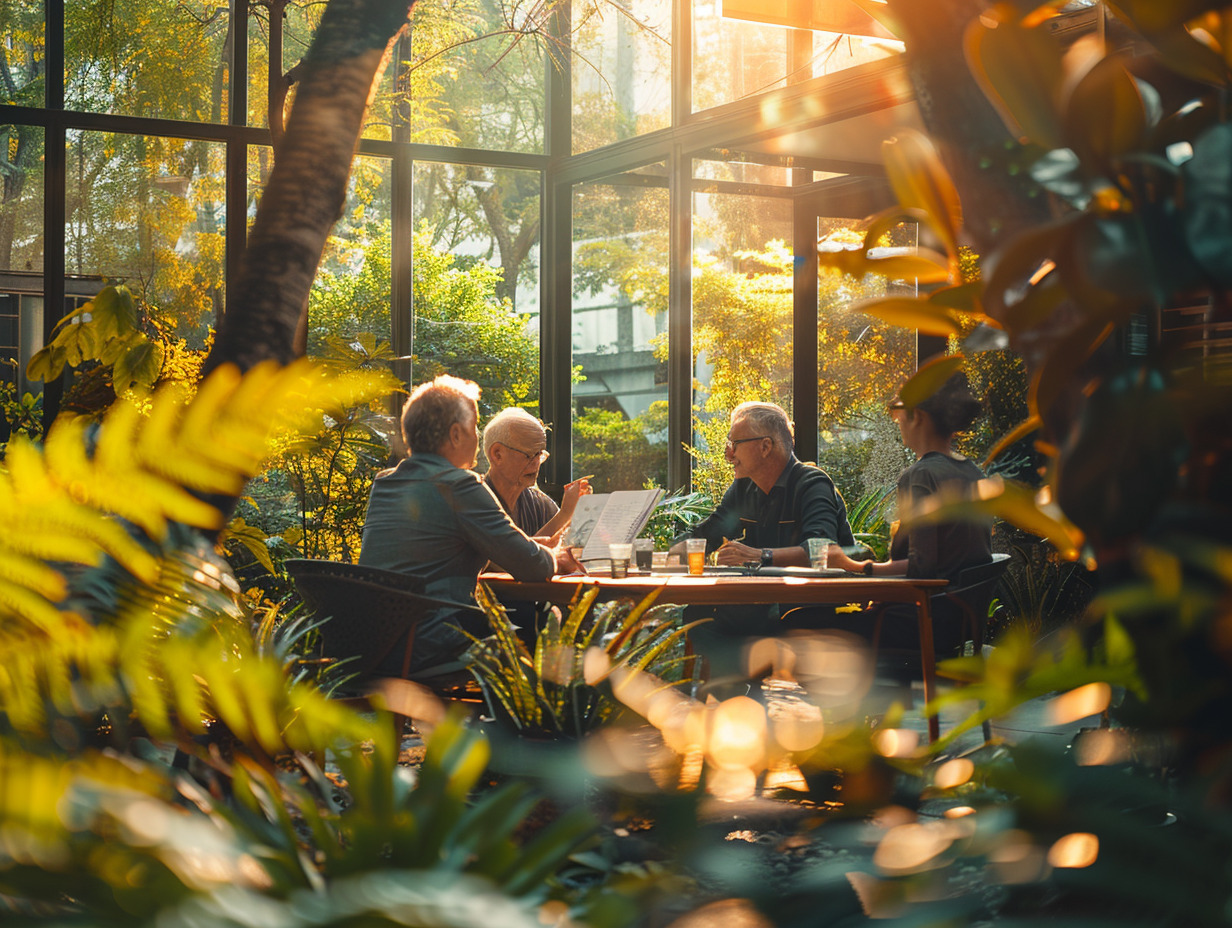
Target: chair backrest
973	591
371	610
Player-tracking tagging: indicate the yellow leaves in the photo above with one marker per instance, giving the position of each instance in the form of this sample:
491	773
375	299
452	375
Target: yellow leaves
921	182
910	313
154	459
923	265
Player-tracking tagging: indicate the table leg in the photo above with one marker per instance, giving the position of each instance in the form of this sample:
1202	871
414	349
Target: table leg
928	659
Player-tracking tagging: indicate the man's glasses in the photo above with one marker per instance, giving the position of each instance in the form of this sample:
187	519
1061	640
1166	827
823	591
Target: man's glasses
895	406
731	443
539	456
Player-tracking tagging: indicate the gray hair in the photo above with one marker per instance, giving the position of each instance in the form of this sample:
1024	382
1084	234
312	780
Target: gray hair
432	410
770	420
508	422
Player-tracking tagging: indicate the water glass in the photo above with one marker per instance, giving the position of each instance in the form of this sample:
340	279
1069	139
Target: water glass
696	550
620	555
819	552
658	560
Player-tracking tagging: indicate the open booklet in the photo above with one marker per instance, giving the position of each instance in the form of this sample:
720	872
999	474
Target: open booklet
603	518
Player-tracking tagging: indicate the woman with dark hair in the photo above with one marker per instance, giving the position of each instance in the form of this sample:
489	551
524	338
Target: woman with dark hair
938	549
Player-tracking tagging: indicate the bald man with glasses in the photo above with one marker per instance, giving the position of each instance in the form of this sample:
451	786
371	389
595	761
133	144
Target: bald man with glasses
515	444
773	506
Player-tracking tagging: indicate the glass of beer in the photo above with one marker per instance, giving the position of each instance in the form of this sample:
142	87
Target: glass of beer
696	549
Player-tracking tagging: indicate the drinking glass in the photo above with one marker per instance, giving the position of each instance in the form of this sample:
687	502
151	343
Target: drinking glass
696	549
819	552
620	554
643	548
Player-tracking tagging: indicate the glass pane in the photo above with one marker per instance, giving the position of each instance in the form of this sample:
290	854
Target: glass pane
745	172
622	68
861	364
149	212
733	59
833	51
348	309
22	37
620	272
298	26
477	77
21	209
163	58
742	319
476	280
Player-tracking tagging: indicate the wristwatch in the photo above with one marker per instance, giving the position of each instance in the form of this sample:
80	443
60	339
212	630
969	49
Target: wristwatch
867	569
767	557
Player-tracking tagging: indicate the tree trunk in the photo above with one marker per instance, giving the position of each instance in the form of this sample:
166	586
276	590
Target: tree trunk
307	188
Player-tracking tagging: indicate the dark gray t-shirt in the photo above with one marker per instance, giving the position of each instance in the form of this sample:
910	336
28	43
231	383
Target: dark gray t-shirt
943	549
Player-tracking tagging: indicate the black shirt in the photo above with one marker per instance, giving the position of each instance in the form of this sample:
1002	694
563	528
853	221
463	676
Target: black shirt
940	549
802	504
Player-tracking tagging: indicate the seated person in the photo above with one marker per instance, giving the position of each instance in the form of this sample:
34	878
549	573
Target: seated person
515	444
431	515
939	550
773	506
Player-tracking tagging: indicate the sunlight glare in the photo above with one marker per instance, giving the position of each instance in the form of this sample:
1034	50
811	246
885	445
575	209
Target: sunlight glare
738	738
1079	703
912	847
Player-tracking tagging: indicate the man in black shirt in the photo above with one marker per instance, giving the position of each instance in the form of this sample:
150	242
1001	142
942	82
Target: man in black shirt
774	505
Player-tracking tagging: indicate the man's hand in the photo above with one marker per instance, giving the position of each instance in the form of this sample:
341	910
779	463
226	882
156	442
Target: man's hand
736	553
573	492
565	562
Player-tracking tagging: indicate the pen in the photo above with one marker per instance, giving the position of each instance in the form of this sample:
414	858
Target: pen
576	479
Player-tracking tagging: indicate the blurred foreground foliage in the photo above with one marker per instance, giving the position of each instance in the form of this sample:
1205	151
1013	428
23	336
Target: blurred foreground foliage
156	743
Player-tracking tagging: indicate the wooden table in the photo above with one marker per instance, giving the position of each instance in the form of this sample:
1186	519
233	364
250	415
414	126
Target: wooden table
741	590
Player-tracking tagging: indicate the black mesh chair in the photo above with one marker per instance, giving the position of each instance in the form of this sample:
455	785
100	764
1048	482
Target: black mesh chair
373	614
971	594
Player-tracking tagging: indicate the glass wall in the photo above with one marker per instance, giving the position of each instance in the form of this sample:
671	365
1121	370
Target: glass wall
148	211
349	307
619	326
862	362
162	58
22	52
477	75
742	317
733	59
147	208
622	68
476	279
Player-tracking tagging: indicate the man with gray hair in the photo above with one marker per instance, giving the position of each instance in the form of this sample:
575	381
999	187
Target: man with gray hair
432	516
773	506
515	444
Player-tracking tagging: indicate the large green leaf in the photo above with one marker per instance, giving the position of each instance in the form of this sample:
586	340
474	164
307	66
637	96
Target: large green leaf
1104	114
140	364
1020	71
1207	210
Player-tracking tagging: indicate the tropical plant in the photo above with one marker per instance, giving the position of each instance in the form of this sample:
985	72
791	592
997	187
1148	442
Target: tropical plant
869	522
676	514
556	690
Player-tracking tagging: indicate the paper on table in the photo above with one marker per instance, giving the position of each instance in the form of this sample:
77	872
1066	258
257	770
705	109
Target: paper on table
603	518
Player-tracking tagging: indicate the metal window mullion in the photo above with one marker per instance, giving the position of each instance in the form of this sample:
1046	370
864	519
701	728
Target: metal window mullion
680	320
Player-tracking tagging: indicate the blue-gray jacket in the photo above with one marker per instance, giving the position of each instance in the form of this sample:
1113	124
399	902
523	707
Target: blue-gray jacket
431	518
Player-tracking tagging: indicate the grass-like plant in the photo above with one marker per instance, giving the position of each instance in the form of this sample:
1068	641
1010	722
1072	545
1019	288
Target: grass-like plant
560	688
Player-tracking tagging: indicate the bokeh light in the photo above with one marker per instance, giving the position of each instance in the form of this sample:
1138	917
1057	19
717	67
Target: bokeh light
953	773
1075	850
1079	703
